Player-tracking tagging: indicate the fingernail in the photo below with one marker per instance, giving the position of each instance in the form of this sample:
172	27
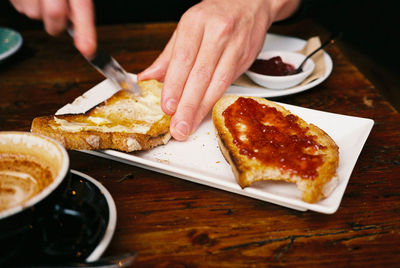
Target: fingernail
182	128
87	47
171	105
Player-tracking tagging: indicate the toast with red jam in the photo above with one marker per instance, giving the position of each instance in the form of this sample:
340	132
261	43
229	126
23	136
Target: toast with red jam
261	140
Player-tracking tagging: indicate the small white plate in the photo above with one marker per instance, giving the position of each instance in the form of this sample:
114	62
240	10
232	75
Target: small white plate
10	42
281	42
282	81
199	160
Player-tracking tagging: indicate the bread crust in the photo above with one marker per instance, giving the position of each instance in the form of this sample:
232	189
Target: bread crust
103	137
96	140
248	171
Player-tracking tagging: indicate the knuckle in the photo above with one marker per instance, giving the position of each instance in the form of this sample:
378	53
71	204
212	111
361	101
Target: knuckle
202	73
184	57
246	59
195	12
247	55
56	14
188	108
194	15
223	80
170	89
247	18
225	25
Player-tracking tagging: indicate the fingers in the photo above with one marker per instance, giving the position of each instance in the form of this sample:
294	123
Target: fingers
30	8
83	19
185	49
224	74
199	78
240	52
55	15
222	78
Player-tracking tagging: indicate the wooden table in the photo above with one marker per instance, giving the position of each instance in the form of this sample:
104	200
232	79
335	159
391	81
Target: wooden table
171	222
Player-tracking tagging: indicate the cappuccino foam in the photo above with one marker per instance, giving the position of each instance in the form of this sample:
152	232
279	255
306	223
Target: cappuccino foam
21	178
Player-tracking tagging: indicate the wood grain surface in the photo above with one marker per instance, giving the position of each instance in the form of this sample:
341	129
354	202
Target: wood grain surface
175	223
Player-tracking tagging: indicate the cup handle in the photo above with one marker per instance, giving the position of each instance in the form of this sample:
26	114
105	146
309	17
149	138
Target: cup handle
73	227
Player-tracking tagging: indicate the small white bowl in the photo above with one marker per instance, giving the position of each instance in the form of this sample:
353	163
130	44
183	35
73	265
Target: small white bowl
285	81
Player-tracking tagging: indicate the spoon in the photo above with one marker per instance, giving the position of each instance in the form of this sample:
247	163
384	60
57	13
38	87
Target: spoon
331	40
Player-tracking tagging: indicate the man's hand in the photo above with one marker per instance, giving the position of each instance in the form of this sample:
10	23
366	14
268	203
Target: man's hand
58	14
213	44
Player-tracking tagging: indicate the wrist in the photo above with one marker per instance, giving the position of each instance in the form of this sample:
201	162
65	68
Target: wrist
282	9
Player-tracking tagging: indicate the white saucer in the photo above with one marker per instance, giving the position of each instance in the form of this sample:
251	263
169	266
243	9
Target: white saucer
112	218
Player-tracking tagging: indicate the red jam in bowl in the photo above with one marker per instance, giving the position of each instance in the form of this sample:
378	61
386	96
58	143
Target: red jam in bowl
273	66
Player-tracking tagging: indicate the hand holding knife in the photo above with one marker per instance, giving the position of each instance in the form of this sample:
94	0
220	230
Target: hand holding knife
111	69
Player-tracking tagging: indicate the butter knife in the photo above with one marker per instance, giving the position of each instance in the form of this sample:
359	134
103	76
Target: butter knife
112	70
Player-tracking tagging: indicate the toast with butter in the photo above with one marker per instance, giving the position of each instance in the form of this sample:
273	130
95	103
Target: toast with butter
261	140
123	122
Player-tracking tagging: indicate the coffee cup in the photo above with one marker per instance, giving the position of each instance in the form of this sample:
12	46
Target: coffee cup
39	217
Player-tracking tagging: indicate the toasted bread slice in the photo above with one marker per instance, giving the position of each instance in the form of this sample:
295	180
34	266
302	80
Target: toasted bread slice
123	122
262	140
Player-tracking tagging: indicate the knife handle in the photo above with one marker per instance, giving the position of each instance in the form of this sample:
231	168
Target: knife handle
101	58
110	68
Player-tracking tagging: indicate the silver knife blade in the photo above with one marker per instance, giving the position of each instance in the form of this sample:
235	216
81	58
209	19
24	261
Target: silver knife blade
117	79
111	69
91	98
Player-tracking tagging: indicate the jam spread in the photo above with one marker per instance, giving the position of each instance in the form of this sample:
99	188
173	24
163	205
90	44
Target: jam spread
264	133
273	66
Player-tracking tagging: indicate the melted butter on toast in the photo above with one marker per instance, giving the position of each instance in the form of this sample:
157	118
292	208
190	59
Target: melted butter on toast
123	112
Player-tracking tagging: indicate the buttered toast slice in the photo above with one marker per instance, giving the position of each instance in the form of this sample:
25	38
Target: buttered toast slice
262	140
123	122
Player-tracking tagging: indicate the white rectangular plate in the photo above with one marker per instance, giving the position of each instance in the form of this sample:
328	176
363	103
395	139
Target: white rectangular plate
199	160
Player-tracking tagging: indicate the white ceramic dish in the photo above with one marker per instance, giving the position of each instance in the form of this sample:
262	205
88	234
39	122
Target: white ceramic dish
284	81
112	218
199	159
10	42
286	43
